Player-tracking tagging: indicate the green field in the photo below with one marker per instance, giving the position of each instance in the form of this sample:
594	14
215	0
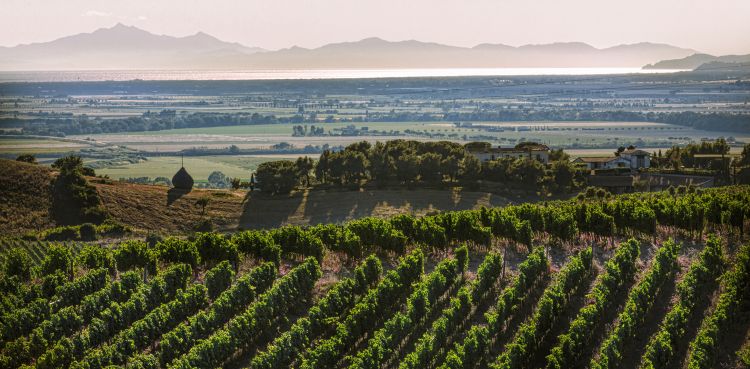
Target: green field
198	166
566	134
36	146
596	138
286	129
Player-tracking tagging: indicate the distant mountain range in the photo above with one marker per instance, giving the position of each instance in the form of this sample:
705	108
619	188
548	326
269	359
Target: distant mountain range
128	47
704	62
122	47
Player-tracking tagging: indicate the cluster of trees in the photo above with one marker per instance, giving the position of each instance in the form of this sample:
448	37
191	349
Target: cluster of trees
282	176
718	162
74	200
684	156
742	171
302	131
408	162
84	124
218	179
400	160
640	301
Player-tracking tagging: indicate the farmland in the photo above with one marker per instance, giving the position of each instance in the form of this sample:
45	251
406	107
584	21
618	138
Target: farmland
579	139
121	123
200	166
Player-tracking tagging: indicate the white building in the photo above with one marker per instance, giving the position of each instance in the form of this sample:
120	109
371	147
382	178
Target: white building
638	158
633	159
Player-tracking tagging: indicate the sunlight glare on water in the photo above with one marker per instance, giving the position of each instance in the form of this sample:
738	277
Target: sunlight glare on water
204	75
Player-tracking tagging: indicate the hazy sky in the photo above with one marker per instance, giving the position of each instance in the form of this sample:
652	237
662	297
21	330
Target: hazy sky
713	26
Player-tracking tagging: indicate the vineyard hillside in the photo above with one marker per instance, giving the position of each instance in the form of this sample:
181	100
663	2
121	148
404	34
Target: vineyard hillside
657	280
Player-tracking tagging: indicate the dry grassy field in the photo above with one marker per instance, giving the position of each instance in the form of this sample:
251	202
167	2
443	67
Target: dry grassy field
155	208
147	208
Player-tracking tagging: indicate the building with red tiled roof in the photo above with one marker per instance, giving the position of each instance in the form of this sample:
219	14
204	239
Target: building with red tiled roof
530	150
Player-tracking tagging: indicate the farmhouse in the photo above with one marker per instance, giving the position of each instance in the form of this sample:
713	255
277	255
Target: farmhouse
632	158
606	162
638	158
528	150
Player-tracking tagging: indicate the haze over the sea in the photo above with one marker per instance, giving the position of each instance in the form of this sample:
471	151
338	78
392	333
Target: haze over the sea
202	75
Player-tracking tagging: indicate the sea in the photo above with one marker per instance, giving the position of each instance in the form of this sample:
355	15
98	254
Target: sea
291	74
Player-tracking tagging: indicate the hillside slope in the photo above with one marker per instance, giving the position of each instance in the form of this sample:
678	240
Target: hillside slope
25	197
25	192
697	60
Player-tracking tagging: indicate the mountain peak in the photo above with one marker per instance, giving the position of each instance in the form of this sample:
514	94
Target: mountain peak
120	29
575	45
369	40
203	36
119	26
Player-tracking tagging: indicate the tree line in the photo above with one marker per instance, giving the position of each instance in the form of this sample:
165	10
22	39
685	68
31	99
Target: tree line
84	124
407	162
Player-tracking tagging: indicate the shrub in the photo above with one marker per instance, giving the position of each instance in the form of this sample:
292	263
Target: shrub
295	240
50	282
376	232
87	232
204	225
338	238
219	278
175	250
132	253
58	259
152	239
462	257
65	233
258	244
95	256
111	227
26	158
18	263
215	247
